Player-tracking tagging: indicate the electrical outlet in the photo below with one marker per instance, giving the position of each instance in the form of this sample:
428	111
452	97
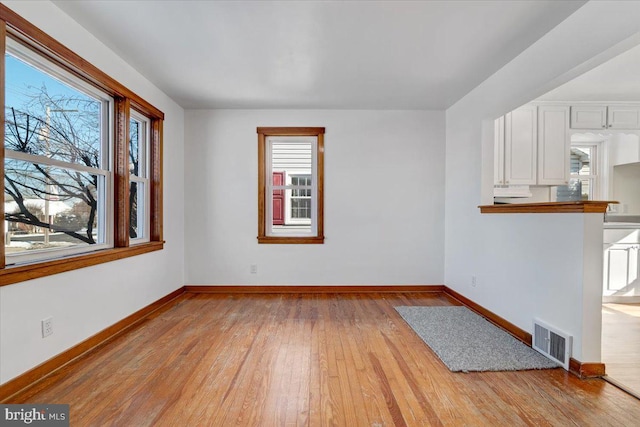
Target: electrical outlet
253	269
474	281
47	327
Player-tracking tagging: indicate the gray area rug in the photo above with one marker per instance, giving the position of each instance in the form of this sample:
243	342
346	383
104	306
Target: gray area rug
467	342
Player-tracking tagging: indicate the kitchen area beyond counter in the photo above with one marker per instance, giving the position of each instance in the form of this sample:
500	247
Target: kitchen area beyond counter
621	245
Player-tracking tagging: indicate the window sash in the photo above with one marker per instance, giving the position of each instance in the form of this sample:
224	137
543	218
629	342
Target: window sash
143	194
270	230
594	177
143	144
105	193
36	60
105	224
143	202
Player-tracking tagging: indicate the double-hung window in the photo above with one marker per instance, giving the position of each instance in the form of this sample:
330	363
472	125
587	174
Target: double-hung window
82	160
300	199
290	185
584	170
139	178
57	160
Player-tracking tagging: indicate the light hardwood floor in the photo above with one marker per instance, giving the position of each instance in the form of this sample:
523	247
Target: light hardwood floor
309	360
621	344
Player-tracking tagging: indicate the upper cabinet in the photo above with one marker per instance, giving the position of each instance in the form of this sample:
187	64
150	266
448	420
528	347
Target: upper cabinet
532	146
520	146
605	116
623	117
589	117
498	152
554	145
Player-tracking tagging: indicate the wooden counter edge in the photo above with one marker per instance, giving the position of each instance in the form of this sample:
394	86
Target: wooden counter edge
586	206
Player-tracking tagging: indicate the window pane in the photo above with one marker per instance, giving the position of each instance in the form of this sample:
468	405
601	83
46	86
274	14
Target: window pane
290	215
134	147
51	208
47	117
578	189
293	158
300	202
138	169
300	208
137	210
581	160
586	189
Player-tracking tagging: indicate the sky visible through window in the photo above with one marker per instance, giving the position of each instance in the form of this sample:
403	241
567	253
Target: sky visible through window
74	120
48	206
23	79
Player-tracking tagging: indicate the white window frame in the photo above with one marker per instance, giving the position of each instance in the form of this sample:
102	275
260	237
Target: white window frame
594	177
283	231
142	179
288	218
105	214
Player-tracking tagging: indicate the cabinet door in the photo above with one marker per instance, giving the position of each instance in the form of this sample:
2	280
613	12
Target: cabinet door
498	152
623	117
588	117
620	267
520	148
554	145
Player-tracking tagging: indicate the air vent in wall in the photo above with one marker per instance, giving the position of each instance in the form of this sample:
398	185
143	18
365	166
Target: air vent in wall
551	342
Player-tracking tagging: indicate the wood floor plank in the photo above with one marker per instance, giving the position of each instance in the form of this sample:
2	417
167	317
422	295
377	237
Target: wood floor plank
308	360
621	343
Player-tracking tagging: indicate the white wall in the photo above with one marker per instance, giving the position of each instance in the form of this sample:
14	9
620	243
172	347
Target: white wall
384	189
626	180
529	265
85	301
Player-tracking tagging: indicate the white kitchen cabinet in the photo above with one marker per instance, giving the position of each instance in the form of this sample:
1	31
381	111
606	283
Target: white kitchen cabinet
498	152
554	145
623	117
614	116
521	146
532	146
621	262
588	117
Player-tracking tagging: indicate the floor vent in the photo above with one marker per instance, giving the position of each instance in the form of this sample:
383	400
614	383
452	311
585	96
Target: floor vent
551	342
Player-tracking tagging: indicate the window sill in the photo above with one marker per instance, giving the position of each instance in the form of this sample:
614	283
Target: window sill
587	206
21	273
291	240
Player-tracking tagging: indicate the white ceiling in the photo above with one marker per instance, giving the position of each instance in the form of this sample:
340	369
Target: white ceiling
318	54
615	80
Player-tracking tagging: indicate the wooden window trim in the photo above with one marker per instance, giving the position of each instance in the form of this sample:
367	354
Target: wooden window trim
263	133
21	30
121	172
21	273
3	45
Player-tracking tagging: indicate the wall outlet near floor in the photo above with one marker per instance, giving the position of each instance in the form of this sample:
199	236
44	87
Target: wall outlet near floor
47	327
253	269
474	281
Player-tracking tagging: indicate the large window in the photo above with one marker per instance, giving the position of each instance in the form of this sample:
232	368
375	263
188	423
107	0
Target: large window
290	182
56	161
81	160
